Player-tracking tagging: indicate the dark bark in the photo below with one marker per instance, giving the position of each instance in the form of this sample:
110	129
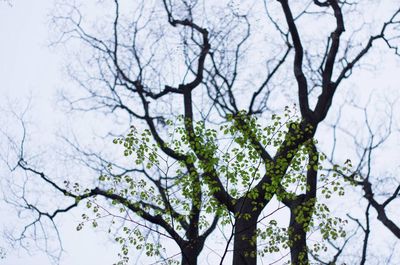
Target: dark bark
366	236
189	257
380	208
301	211
245	237
190	251
298	243
245	242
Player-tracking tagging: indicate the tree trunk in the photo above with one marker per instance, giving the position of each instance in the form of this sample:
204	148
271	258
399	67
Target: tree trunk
298	243
245	241
190	253
189	258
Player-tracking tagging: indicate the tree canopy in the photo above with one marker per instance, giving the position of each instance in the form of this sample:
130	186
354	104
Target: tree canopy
222	105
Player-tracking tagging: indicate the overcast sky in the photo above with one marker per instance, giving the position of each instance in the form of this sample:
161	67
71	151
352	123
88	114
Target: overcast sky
29	67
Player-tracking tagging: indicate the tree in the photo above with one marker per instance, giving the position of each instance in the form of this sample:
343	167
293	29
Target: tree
133	66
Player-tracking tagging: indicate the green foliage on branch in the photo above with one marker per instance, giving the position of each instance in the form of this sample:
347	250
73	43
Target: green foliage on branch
232	152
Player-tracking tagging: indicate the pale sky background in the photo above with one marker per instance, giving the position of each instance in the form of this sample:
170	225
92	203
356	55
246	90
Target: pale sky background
29	67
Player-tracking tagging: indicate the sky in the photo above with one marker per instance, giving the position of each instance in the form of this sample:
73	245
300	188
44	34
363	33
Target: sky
28	66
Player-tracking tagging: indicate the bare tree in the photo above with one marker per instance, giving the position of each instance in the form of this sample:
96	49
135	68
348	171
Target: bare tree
365	176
